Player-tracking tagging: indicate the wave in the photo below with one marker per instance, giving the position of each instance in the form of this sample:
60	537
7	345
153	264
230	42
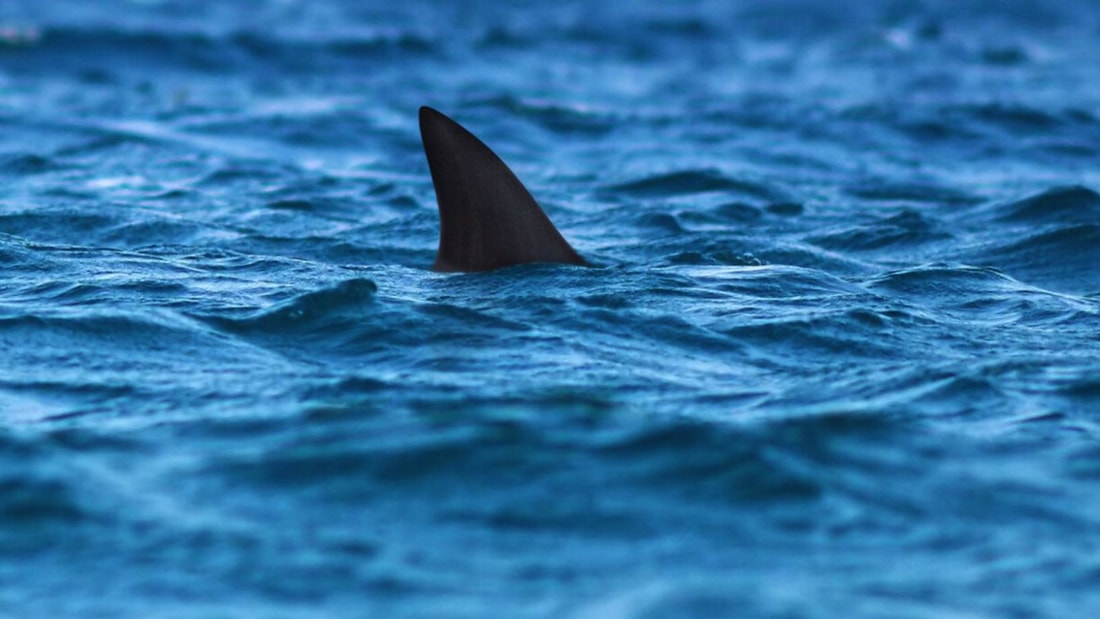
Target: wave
694	182
100	53
907	228
982	296
323	309
1073	204
1059	259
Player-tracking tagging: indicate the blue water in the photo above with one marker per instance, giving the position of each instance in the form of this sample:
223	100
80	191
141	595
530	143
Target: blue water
840	355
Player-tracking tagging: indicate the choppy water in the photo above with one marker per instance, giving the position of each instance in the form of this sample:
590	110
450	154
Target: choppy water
840	357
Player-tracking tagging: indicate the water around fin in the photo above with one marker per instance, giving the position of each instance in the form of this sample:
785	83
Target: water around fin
487	218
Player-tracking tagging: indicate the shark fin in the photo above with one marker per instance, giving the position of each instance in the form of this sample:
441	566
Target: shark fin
487	218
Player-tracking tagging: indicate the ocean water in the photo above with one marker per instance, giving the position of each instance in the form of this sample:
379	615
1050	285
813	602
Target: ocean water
839	355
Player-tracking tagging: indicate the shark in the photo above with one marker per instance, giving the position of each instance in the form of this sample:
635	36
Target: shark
487	218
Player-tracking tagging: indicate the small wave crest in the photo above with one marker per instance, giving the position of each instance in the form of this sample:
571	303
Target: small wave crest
695	182
1062	258
905	228
1071	204
310	310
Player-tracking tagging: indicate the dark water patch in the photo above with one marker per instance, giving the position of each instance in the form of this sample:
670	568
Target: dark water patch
30	505
731	212
502	38
24	164
48	491
312	310
543	515
1070	205
1014	118
563	416
1085	388
561	119
291	205
845	336
349	321
695	182
935	129
740	212
81	440
65	225
951	395
830	435
914	458
500	473
477	442
786	209
697	460
18	254
930	193
663	222
85	49
462	315
792	19
975	129
680	25
1061	148
608	301
1061	259
106	50
1083	462
172	195
907	228
1005	55
64	292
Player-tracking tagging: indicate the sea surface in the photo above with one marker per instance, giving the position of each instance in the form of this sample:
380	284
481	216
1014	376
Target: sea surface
839	354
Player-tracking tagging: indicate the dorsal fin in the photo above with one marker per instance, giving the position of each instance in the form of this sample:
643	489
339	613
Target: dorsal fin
487	218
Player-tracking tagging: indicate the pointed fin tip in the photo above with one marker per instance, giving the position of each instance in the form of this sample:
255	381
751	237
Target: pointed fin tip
428	114
488	219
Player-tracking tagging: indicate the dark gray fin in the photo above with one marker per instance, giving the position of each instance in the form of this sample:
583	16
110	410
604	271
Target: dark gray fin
487	218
